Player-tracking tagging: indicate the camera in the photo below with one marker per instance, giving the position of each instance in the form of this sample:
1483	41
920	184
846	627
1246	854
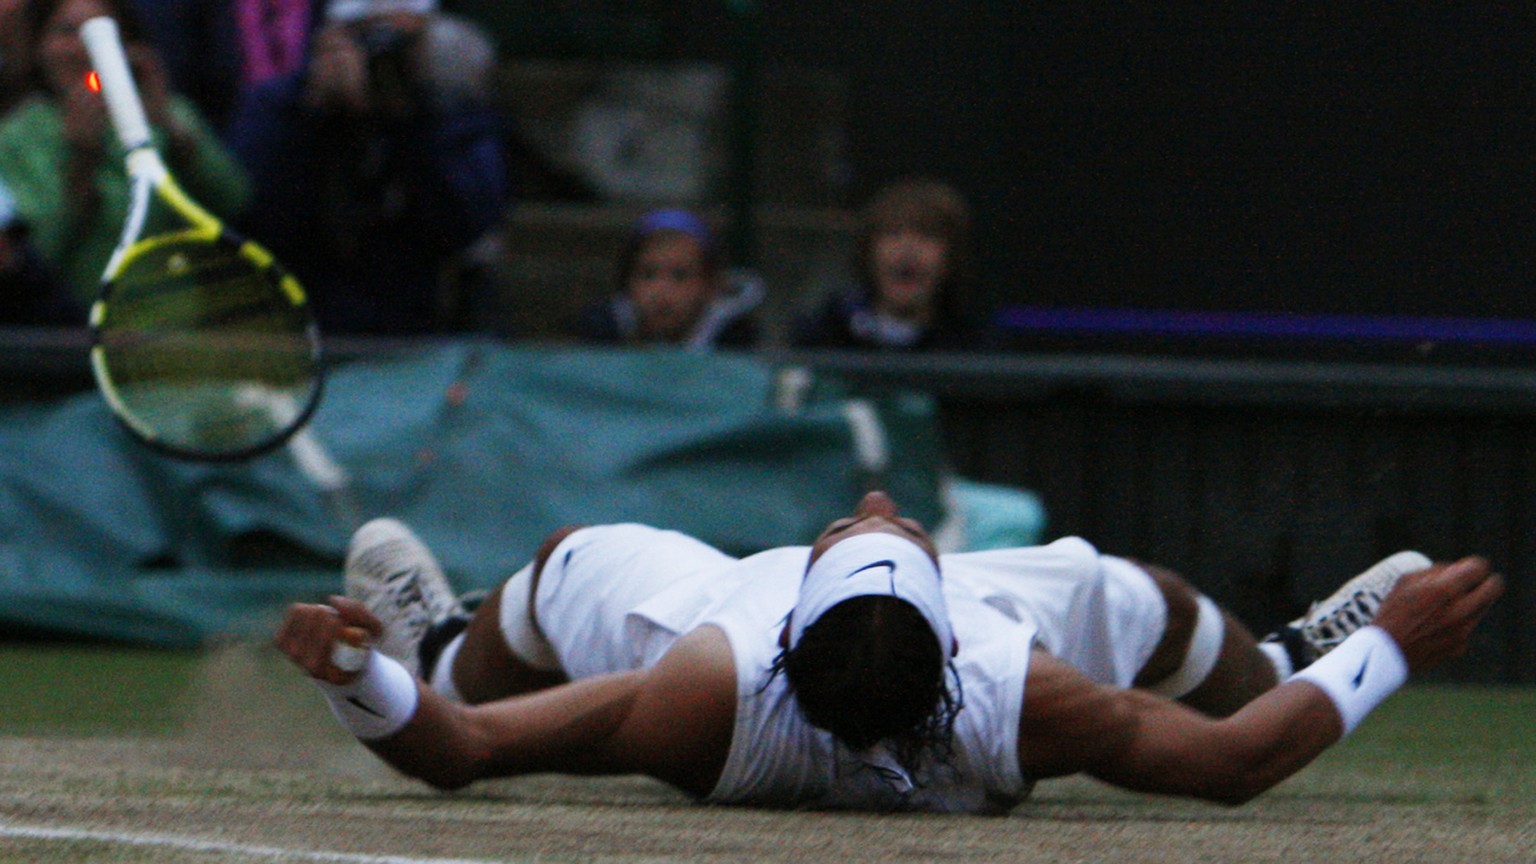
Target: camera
380	39
391	71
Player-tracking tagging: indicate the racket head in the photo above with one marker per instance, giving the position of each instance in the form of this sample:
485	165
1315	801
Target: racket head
204	346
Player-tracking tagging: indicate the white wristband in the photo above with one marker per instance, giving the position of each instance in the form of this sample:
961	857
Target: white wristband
1357	675
379	703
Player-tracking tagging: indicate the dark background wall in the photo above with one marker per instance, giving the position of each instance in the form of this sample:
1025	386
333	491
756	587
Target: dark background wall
1269	507
1278	157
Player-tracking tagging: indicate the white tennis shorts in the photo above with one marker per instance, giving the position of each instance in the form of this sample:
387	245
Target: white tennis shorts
615	597
591	596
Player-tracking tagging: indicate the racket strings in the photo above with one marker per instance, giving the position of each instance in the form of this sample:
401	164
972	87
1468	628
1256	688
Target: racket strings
201	345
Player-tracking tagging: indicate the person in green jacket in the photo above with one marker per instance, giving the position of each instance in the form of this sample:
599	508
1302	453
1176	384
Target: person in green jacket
60	157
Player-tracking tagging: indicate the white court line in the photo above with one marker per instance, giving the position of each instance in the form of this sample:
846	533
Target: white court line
192	844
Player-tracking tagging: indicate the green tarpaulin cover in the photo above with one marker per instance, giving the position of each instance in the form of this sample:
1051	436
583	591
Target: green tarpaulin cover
482	447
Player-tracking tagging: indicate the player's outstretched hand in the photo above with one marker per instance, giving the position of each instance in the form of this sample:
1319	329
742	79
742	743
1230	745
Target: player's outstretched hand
1431	613
310	631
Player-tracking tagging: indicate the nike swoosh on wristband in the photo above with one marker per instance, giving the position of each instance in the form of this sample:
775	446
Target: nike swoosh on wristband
1365	663
358	703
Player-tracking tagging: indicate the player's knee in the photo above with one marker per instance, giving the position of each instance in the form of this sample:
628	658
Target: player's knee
1192	637
503	653
1201	653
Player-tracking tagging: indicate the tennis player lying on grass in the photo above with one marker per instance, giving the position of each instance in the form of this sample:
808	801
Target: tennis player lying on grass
863	672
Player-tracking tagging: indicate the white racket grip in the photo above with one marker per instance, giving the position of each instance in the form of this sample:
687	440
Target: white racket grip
105	46
350	653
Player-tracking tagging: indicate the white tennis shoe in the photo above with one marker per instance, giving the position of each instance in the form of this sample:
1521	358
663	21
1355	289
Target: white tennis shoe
394	574
1350	608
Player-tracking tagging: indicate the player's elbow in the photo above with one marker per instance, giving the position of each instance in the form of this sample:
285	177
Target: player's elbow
1217	783
1242	776
1231	788
446	767
445	781
447	774
1236	792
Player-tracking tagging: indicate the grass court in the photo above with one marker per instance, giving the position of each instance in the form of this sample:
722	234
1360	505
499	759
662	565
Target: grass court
226	755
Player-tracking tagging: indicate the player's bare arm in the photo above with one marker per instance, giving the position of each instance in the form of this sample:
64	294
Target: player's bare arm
672	722
1147	743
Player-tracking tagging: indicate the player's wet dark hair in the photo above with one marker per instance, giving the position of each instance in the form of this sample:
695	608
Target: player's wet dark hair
870	669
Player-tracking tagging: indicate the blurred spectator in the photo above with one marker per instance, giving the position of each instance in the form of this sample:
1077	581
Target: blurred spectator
61	159
674	289
215	50
28	292
913	268
377	164
13	83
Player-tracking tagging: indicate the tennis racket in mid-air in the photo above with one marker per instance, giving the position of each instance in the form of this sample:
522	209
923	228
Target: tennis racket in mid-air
202	344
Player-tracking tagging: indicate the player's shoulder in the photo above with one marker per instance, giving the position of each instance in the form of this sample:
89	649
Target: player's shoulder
702	653
1061	554
695	678
688	704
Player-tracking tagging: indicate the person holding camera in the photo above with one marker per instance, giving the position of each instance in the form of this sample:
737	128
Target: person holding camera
377	163
61	160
